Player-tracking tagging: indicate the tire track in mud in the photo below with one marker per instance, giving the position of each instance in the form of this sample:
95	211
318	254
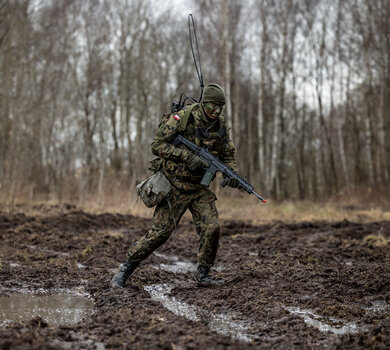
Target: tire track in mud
281	279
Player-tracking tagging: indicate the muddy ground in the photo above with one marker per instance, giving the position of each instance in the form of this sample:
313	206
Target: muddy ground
305	285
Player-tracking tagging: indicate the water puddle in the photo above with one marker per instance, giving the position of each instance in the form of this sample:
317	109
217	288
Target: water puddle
4	323
56	309
177	265
378	307
166	257
89	343
35	289
50	251
337	326
219	323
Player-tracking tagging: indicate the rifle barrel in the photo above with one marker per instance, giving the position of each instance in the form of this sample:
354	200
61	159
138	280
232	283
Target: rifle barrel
260	197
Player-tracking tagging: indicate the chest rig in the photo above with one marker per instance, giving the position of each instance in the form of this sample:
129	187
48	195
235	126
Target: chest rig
210	135
193	125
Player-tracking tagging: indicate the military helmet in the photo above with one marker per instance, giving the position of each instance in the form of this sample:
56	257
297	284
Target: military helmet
213	93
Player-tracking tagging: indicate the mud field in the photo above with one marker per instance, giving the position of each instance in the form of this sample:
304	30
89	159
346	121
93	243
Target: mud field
306	285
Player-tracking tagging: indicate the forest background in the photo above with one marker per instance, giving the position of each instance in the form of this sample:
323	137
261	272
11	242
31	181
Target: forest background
83	85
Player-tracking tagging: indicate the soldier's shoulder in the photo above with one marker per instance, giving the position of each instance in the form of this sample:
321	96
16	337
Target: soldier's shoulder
185	115
178	116
165	118
195	109
174	119
191	108
168	125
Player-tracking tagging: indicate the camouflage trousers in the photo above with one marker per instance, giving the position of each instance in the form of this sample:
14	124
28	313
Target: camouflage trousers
205	216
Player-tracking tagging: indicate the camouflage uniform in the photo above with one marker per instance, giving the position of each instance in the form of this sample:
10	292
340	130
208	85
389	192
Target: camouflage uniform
188	192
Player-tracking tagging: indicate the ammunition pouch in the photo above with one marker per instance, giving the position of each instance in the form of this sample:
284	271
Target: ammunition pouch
154	189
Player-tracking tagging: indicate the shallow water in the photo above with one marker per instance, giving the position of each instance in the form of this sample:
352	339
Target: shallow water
220	323
34	288
177	265
56	309
50	251
333	325
167	257
14	264
379	307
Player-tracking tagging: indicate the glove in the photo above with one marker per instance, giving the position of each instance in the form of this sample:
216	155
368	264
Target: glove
194	162
233	183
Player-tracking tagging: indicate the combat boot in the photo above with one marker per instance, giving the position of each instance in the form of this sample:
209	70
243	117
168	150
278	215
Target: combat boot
203	278
120	278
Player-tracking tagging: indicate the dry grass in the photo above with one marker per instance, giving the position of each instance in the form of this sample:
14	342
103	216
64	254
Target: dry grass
378	239
295	211
232	205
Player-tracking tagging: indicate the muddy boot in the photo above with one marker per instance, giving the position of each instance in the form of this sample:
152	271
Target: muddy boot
203	278
120	278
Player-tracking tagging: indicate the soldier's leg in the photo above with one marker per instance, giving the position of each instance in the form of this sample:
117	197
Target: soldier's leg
166	216
205	215
164	221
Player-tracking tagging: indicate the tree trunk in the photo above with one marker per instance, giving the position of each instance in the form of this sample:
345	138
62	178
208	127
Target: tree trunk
226	71
260	108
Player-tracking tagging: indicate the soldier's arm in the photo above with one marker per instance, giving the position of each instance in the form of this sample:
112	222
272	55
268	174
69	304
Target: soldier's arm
165	134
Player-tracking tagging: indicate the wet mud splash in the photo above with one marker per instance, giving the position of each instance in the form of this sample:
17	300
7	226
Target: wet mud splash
307	285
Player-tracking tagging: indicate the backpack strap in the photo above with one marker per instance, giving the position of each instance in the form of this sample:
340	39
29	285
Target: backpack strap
184	119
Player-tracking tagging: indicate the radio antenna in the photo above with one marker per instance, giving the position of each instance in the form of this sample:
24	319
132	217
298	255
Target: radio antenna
197	57
177	106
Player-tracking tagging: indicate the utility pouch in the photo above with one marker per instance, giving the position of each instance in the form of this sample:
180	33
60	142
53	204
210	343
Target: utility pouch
154	189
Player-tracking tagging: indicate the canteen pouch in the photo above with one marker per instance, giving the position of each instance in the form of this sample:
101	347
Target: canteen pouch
154	189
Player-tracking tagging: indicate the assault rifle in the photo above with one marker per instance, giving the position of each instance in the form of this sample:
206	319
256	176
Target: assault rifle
215	165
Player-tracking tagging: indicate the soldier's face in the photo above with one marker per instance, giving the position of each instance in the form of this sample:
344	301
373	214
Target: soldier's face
213	110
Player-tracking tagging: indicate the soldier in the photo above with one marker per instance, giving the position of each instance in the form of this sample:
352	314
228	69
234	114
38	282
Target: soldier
203	124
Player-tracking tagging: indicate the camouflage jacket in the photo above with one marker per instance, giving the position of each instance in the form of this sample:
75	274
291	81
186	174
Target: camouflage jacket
199	129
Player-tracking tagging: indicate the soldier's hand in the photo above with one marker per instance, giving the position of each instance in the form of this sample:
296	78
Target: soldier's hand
233	183
195	162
